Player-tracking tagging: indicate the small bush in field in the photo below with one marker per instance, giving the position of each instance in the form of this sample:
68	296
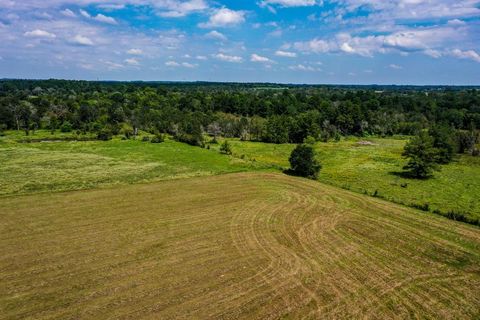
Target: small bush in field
159	138
225	148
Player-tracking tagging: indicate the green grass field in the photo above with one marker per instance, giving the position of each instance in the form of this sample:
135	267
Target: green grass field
370	169
233	246
71	165
375	168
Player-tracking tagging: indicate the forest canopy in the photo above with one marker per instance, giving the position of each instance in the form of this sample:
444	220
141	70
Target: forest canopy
265	112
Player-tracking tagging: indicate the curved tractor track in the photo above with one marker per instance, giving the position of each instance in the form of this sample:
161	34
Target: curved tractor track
237	246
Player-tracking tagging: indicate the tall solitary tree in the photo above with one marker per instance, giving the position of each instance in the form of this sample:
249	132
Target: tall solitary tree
421	155
303	161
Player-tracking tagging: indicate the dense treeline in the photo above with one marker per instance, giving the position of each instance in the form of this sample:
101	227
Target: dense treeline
266	112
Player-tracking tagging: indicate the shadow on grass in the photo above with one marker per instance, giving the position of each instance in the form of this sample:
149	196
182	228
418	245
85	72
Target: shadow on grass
407	175
290	172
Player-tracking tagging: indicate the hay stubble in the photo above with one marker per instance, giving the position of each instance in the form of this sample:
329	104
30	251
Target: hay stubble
247	245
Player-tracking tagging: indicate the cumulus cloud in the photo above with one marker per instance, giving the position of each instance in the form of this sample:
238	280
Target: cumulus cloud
228	58
111	6
176	9
85	14
285	54
38	33
290	3
135	51
224	17
301	67
68	13
413	9
395	66
216	35
257	58
468	54
189	65
99	17
81	40
105	19
425	40
132	62
172	64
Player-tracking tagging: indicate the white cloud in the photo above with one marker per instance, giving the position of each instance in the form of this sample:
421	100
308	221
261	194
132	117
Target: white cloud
111	6
172	64
433	53
132	62
395	66
426	40
201	58
176	9
99	17
136	52
37	33
189	65
112	65
81	40
224	17
456	22
216	35
85	14
413	9
257	58
468	54
301	67
68	13
228	58
290	3
105	19
286	54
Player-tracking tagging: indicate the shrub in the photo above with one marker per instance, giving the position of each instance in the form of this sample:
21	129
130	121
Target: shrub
191	139
225	148
159	138
104	134
66	127
303	162
146	139
310	140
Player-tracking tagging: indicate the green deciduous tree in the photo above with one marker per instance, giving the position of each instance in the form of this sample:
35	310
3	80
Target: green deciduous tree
421	155
303	161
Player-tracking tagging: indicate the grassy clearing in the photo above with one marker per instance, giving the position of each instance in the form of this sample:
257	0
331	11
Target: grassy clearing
70	165
374	169
245	245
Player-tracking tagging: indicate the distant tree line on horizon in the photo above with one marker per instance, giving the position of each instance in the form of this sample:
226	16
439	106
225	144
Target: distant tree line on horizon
269	113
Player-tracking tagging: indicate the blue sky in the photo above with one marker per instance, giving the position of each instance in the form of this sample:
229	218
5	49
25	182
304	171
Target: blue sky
288	41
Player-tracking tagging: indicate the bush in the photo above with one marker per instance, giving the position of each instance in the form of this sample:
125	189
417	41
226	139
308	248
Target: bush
66	127
159	138
303	162
225	148
146	139
191	139
104	135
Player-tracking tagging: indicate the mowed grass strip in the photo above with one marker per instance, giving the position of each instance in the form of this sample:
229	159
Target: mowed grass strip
244	245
